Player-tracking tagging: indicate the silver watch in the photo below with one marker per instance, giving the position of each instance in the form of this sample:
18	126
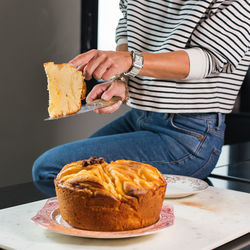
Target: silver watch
137	64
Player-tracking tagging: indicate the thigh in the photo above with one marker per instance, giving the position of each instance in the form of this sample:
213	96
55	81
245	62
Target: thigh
124	124
176	151
139	146
193	144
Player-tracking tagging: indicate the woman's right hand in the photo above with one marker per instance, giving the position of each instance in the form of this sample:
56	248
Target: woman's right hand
106	91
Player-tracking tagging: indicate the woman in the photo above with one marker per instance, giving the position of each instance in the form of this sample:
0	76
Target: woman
182	63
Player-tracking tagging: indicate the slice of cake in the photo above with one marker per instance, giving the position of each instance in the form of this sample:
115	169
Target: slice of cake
66	88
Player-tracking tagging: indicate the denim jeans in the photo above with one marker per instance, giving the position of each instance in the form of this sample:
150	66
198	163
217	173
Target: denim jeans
182	144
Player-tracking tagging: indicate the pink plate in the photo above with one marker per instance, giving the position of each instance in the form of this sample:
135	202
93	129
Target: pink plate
50	218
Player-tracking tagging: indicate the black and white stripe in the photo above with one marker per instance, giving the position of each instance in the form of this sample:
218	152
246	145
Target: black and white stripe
221	28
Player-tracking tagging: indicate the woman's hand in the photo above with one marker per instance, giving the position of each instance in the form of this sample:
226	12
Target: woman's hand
102	64
106	91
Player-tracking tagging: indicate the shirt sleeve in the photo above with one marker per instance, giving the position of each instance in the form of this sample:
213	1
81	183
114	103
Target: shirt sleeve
199	63
224	35
121	29
122	40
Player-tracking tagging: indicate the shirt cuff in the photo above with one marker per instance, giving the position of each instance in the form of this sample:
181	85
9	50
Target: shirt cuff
199	64
122	40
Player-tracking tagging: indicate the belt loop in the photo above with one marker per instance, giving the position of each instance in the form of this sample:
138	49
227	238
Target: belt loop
166	115
219	115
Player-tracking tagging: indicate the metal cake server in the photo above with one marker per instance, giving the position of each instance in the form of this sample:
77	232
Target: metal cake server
96	104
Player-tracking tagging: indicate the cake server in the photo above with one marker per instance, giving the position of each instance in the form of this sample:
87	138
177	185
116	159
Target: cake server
96	104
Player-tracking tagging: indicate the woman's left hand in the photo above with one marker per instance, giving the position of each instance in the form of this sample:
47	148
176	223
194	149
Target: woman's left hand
102	64
106	91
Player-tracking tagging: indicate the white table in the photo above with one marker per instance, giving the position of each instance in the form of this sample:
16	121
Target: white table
203	221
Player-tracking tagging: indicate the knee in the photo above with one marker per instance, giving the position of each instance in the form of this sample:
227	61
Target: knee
37	169
43	174
44	168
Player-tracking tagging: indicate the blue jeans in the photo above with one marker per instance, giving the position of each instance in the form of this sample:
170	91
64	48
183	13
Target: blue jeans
183	144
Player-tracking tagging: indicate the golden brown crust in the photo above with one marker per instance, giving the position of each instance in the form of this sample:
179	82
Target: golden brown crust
66	87
122	195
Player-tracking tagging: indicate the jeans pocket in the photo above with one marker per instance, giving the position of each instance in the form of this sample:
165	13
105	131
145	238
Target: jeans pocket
208	167
188	125
218	131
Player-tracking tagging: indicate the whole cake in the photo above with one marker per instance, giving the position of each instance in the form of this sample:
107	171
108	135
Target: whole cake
66	88
116	196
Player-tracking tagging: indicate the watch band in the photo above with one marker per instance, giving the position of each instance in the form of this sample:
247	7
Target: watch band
137	64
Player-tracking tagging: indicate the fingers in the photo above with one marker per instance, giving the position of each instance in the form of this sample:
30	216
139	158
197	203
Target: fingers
97	91
97	67
93	63
106	91
117	88
109	73
102	64
110	109
82	60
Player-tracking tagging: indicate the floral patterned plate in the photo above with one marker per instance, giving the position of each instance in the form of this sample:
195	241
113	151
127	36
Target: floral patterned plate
50	218
179	186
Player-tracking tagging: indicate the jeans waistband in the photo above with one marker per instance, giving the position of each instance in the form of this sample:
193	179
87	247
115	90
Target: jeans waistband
207	116
219	117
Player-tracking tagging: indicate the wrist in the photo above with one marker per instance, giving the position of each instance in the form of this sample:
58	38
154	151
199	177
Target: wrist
122	47
136	65
129	61
120	78
123	79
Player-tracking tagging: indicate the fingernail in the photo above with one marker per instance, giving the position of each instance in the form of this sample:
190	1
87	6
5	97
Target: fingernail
104	96
118	104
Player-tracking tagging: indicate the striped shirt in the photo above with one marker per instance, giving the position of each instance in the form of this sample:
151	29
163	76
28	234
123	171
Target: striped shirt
220	28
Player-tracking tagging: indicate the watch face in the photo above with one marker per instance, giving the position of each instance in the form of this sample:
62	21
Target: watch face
138	61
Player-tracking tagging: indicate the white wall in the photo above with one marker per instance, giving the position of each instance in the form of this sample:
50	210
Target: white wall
108	16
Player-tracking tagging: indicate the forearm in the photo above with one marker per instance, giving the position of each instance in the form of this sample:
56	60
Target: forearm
122	47
170	65
187	64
